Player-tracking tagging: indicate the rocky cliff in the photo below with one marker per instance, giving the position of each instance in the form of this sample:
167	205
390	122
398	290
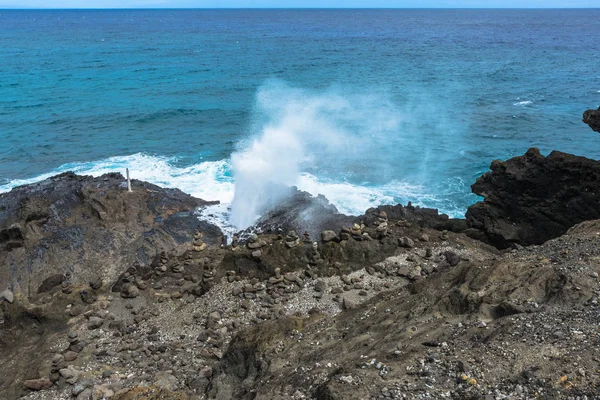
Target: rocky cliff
533	198
110	294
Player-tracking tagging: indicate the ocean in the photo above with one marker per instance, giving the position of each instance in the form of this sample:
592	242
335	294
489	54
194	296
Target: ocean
364	106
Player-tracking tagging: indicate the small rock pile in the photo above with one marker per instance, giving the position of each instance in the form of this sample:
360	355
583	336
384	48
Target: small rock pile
198	244
292	239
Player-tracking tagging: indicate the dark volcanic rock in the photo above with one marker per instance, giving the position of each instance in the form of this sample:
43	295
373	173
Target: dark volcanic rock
85	228
420	216
592	118
302	212
531	198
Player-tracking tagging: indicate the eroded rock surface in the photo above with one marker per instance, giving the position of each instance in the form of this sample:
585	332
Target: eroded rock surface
533	198
513	326
70	230
592	118
302	212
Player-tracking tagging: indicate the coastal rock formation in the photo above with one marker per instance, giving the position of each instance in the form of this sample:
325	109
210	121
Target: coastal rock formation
70	230
303	212
84	255
396	303
532	198
420	216
485	328
592	118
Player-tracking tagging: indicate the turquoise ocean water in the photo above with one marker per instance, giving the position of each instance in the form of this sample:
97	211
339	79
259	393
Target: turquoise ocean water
363	106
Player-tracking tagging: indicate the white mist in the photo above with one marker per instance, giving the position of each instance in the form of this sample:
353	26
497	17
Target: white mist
301	129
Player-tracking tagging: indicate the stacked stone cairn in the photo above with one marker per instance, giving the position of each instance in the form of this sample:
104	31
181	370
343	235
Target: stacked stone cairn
292	239
67	284
161	268
74	344
255	245
131	284
58	363
198	244
314	255
208	274
382	225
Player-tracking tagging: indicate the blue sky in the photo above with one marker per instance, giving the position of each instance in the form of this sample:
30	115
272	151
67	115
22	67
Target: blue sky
297	3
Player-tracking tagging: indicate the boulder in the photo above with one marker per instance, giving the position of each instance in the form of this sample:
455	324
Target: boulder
328	235
71	375
7	295
592	118
38	384
349	303
86	394
406	242
165	380
95	322
130	291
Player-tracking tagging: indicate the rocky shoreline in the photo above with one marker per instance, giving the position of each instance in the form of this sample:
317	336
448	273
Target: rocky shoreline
106	293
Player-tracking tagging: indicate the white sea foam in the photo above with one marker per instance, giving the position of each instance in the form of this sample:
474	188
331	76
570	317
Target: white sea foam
207	180
348	198
219	215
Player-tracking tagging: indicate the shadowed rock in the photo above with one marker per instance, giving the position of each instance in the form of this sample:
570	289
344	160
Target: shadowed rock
300	211
531	198
592	118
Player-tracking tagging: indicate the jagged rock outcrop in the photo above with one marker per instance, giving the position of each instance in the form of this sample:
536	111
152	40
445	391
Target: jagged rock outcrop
302	212
70	230
420	216
532	198
592	118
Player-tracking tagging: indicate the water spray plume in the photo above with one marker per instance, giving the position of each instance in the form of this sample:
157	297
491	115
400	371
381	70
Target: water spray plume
300	130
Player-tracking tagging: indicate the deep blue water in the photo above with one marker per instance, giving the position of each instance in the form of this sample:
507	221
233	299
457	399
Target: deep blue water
427	97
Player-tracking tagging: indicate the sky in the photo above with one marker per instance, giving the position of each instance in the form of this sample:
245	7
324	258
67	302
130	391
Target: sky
298	3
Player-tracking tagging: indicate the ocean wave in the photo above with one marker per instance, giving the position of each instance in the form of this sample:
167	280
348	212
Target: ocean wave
207	180
212	180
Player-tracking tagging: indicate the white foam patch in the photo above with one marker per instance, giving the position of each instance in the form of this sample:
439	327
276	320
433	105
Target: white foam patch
353	199
211	180
523	103
219	215
348	198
